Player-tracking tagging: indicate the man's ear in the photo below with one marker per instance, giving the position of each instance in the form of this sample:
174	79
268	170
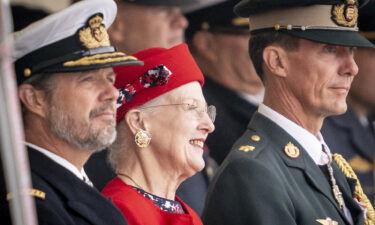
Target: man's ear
34	100
135	120
204	42
275	60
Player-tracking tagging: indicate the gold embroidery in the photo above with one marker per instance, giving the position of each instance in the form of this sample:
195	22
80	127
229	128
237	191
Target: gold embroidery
95	35
345	14
358	191
33	192
100	59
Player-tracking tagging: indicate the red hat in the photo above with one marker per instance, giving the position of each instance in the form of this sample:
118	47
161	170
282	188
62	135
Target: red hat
163	71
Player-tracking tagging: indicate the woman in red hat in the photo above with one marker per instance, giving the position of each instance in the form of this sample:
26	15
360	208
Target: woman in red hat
163	122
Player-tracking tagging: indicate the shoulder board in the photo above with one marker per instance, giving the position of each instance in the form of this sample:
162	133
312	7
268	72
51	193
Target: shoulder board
33	192
250	142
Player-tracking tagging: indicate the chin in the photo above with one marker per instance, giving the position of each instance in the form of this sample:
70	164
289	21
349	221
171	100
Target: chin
338	109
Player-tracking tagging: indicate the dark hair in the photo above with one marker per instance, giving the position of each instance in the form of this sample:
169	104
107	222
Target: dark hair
258	42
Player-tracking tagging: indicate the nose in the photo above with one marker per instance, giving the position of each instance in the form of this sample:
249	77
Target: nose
206	124
349	66
109	93
179	20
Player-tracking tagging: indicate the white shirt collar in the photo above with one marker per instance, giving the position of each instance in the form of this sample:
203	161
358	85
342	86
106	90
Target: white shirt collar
61	161
312	144
254	99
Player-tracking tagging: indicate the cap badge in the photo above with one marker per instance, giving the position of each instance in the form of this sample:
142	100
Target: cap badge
345	14
154	77
327	221
291	150
94	34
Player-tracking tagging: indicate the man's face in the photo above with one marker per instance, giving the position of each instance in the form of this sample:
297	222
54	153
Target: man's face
319	77
139	27
363	87
82	109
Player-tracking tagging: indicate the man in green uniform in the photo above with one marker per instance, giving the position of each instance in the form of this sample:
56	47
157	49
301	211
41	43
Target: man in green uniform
281	172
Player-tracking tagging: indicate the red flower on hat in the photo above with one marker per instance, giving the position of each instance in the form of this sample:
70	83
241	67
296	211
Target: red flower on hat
154	77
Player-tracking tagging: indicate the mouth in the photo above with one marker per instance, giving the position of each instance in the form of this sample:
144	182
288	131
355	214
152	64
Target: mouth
197	142
342	89
105	115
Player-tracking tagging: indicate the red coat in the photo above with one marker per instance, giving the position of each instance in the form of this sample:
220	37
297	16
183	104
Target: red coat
139	210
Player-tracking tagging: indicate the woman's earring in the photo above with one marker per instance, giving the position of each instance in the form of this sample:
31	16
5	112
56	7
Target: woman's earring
142	138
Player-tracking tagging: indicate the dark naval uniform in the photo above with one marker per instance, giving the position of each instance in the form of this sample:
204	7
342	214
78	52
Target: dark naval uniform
62	198
345	134
260	184
233	115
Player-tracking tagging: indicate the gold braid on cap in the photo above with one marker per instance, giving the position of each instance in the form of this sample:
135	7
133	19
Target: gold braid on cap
358	192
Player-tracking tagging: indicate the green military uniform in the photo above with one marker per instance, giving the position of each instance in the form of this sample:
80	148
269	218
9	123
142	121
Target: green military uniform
259	183
269	178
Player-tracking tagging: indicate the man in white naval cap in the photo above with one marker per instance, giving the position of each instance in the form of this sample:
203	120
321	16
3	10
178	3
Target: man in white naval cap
65	84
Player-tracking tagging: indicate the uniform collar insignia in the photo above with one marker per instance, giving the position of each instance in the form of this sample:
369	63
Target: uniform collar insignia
345	14
291	150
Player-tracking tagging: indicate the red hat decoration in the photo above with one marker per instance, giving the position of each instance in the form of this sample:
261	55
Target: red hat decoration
163	71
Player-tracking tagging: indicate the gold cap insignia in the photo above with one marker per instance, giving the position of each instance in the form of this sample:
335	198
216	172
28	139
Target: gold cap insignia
327	221
291	150
255	138
94	34
246	148
345	14
239	21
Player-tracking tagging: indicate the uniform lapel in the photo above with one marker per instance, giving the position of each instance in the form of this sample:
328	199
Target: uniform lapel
80	197
314	175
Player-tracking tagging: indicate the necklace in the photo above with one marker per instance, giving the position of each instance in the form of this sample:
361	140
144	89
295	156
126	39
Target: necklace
131	179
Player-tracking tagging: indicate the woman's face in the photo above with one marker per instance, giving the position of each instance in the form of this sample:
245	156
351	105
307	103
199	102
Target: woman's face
179	127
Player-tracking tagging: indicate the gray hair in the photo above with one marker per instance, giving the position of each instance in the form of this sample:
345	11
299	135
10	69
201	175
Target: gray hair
122	146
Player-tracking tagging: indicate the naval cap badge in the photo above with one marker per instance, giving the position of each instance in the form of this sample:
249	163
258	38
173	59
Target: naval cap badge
345	14
94	34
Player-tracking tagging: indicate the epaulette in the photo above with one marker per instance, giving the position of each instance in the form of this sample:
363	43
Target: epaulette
250	142
33	192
